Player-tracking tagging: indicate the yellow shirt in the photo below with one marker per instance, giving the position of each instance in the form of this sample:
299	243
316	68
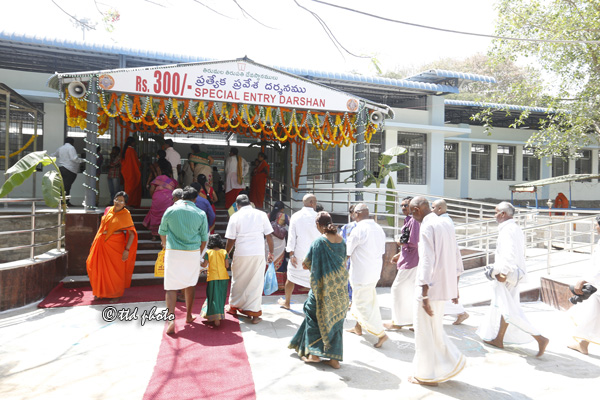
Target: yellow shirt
216	265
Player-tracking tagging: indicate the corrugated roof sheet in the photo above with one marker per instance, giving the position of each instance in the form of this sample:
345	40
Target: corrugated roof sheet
370	81
510	107
442	75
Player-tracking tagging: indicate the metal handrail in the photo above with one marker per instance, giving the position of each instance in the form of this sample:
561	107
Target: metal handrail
33	215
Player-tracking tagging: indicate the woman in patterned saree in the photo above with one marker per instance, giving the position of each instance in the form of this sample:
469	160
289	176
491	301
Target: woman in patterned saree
161	189
280	223
321	333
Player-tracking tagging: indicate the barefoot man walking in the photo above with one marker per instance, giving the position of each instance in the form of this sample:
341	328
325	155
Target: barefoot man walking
365	247
505	319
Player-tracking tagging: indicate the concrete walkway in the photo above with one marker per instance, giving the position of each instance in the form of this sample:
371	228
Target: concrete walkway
72	353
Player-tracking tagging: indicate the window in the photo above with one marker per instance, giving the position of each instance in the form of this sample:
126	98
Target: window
372	152
560	166
506	163
21	131
531	165
416	146
480	161
450	160
320	162
583	163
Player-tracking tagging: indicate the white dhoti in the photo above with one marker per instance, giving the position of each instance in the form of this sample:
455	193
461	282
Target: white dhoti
365	308
586	317
297	274
506	303
403	297
437	358
182	269
247	284
453	309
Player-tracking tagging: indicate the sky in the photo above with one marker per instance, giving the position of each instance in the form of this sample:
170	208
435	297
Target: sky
285	34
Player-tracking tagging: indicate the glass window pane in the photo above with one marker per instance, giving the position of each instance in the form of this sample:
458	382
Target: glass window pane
480	161
415	158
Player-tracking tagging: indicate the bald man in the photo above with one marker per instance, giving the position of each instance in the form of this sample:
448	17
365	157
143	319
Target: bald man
437	359
302	232
366	247
440	208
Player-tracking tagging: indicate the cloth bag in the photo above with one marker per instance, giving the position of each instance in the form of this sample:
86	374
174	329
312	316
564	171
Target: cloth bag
159	266
271	285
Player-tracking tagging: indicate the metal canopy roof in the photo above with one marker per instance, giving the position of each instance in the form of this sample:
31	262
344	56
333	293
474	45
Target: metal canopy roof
460	112
530	186
18	103
40	54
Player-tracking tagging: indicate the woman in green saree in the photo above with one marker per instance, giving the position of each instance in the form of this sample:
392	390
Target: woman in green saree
320	335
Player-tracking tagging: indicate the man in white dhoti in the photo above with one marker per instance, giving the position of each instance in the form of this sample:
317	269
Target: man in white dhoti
586	315
303	231
366	247
436	359
505	320
183	233
247	229
440	208
403	288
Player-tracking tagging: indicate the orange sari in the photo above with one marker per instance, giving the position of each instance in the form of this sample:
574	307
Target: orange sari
132	175
258	184
109	275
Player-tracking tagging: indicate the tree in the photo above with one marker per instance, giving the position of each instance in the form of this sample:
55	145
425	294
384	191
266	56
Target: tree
563	38
512	79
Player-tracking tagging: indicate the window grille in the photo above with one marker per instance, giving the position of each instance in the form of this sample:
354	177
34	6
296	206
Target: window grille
320	162
480	161
560	166
415	158
531	165
21	130
451	161
506	163
583	163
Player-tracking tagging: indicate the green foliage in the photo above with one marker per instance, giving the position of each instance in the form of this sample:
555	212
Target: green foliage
390	202
23	169
572	69
52	187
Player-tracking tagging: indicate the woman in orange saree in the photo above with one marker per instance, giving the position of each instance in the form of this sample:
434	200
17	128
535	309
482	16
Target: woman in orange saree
132	174
112	255
258	184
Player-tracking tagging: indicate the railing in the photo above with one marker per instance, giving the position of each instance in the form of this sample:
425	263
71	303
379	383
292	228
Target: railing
33	216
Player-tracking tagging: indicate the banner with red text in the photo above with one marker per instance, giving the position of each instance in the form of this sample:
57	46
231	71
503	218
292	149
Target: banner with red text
228	81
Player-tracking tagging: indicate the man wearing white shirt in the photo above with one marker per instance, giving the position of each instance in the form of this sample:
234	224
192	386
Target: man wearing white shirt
173	157
68	164
505	320
366	247
440	208
247	229
436	359
303	231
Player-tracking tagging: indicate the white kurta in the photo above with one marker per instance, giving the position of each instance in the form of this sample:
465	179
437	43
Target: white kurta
509	258
248	227
436	359
365	247
231	173
303	231
586	315
440	262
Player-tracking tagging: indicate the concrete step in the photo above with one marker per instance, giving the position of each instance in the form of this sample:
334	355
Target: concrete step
144	266
147	255
145	244
137	279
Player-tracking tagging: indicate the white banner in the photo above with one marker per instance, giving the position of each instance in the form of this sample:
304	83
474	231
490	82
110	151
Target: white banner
232	82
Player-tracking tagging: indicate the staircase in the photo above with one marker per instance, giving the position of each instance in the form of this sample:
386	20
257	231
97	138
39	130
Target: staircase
147	252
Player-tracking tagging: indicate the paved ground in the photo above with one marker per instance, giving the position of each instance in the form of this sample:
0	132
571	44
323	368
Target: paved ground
71	353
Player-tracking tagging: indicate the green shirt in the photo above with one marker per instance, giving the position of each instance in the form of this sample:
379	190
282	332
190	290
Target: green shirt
184	225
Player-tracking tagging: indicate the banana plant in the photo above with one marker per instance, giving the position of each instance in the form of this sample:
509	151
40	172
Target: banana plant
53	188
384	168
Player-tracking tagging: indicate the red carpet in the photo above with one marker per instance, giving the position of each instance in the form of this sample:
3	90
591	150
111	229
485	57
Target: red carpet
201	362
61	296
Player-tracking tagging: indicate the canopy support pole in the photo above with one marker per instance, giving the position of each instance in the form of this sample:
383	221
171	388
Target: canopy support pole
359	150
